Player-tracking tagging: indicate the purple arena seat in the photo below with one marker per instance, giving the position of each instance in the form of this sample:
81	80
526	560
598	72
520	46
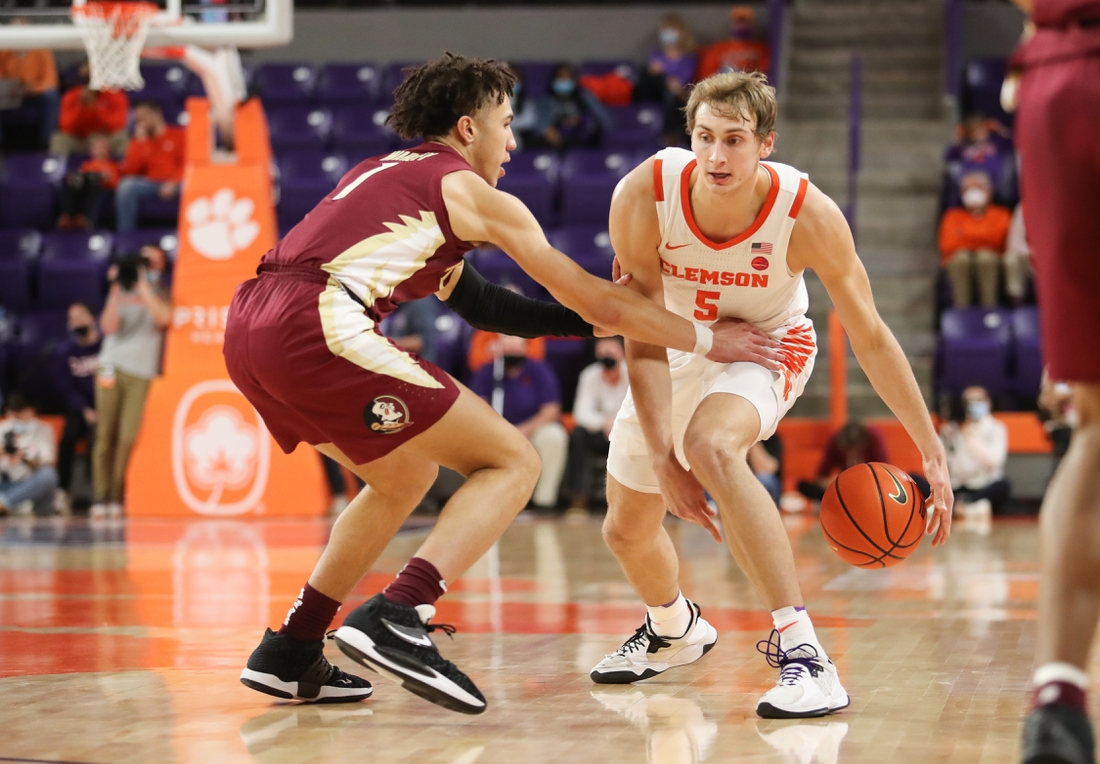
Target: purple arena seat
28	190
360	129
588	178
498	268
392	76
348	83
982	80
37	335
567	357
298	126
635	125
588	246
16	276
452	341
285	82
532	176
157	213
20	243
1028	353
72	269
162	79
974	349
536	77
306	177
133	241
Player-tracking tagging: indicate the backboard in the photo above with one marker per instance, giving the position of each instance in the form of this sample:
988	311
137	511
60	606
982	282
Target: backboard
240	23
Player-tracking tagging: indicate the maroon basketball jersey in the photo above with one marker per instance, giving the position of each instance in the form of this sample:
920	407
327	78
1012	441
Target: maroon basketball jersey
383	233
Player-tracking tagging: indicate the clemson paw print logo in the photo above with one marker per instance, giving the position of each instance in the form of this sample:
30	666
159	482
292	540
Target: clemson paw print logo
221	225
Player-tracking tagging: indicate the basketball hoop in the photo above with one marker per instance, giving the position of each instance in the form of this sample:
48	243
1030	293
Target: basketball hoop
114	34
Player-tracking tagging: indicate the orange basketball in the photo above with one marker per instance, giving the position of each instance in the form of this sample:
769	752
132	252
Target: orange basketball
873	515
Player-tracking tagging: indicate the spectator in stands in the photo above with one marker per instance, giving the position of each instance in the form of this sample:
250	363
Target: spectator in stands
668	74
1017	259
77	361
525	115
153	166
85	192
600	392
740	52
530	398
983	145
972	242
852	444
977	448
86	113
33	73
412	327
766	461
133	322
27	455
1058	415
569	116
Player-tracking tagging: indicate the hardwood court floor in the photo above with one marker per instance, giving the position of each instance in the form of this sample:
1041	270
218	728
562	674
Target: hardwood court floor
123	644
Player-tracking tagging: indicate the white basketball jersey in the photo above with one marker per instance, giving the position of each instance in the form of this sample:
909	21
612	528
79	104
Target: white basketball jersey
746	277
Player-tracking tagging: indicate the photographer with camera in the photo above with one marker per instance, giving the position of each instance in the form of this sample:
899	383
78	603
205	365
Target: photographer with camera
27	454
133	323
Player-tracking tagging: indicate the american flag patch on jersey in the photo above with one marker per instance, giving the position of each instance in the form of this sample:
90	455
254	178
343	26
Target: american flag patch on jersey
759	248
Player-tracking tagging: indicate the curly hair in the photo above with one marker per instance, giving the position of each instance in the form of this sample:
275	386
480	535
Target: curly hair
434	96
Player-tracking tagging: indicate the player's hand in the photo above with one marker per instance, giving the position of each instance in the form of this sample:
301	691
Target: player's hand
684	497
736	340
942	501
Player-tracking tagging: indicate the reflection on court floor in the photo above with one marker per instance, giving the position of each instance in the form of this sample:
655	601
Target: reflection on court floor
122	643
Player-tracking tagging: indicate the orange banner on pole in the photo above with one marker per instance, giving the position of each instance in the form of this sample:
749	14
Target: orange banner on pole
203	449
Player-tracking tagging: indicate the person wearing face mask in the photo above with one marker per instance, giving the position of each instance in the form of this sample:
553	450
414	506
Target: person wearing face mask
977	449
526	392
133	323
669	73
568	115
738	53
972	242
27	455
601	391
76	361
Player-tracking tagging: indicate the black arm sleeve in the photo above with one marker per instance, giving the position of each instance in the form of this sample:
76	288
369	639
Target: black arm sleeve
493	308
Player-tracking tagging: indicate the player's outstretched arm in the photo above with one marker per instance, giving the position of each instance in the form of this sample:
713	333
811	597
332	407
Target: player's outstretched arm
822	241
479	213
635	235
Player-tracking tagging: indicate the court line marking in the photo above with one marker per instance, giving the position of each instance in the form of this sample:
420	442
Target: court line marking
42	761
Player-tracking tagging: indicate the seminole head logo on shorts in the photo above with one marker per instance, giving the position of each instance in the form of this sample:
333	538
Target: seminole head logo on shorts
386	415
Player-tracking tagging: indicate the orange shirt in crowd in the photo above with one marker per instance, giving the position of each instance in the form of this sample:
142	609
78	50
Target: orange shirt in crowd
961	229
34	68
107	114
108	171
481	351
738	55
158	158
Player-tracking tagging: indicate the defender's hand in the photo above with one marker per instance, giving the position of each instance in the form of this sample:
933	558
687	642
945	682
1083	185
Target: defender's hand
736	340
684	497
942	501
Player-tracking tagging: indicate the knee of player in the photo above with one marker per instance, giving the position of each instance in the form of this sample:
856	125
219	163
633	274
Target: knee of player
620	533
714	452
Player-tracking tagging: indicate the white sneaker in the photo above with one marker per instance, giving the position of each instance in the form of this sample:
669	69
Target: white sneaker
114	510
676	729
646	655
806	743
62	502
98	511
808	683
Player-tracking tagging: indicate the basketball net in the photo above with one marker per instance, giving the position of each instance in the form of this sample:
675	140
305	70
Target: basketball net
114	34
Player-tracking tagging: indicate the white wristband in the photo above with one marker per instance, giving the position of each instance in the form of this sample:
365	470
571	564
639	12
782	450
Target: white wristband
704	339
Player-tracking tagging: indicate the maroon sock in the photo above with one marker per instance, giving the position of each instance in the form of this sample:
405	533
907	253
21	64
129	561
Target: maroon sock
310	616
1060	693
418	583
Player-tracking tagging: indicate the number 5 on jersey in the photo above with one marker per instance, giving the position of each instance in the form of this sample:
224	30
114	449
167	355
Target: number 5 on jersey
706	305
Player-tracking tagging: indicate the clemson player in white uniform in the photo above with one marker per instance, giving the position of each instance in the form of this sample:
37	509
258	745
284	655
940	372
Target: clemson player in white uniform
716	233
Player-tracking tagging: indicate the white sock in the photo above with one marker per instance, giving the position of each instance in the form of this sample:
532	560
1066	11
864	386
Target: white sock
795	628
671	620
1060	672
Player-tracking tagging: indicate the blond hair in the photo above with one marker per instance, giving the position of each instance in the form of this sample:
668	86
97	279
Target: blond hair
745	95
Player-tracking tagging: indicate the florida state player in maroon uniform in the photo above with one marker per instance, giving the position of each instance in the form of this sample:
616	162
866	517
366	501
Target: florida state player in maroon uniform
303	345
1059	144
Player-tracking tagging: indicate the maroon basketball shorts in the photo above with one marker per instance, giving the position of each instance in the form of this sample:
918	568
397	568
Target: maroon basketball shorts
317	369
1058	137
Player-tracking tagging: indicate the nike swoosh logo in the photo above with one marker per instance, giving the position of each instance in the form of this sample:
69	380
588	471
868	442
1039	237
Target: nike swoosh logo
901	497
678	246
789	625
412	636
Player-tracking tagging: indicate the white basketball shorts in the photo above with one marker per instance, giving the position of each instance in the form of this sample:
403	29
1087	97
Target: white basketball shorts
693	379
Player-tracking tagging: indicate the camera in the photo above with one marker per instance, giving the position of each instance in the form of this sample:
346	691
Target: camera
9	443
128	266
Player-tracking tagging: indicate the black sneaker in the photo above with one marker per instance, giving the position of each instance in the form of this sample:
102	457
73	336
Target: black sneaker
393	640
1058	734
293	670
